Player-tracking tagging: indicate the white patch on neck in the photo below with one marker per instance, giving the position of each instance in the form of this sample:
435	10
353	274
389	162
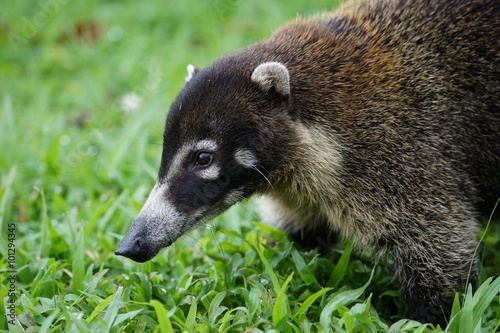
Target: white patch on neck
246	158
317	165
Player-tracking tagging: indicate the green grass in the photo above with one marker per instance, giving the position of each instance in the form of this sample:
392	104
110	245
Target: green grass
75	170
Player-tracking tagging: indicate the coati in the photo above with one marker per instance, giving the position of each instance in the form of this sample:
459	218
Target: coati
380	121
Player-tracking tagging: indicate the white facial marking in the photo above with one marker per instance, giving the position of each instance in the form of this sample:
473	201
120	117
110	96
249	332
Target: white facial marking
206	144
156	206
246	158
175	166
213	171
210	173
160	213
177	161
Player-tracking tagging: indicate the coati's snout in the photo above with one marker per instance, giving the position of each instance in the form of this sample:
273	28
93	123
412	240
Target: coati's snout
136	244
154	228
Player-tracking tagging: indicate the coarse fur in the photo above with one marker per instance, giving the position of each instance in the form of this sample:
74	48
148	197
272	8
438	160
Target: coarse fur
380	121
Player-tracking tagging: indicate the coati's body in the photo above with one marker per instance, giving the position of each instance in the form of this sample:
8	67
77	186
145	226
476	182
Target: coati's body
380	121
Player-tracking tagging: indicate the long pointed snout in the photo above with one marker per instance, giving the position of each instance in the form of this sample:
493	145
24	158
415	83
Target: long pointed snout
136	245
158	225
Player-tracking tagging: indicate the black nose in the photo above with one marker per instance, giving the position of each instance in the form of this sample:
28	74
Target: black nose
135	250
136	244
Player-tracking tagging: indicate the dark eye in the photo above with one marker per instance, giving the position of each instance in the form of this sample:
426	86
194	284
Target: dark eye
203	158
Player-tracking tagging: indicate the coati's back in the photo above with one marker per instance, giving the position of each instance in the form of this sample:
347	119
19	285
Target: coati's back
450	54
430	69
380	120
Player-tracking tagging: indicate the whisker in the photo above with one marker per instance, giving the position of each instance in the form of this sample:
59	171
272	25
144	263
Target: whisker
191	239
210	227
252	210
262	174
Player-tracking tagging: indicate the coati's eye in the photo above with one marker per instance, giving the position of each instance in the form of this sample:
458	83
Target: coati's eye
203	158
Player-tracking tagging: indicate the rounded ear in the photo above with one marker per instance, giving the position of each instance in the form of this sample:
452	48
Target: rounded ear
191	72
272	75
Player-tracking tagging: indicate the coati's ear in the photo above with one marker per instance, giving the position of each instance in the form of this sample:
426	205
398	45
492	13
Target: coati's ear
191	72
272	75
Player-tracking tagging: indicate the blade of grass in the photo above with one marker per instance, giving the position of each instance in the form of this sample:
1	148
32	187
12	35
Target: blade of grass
78	265
280	309
113	308
341	267
469	317
267	266
47	323
91	286
466	317
422	329
41	278
215	309
126	316
303	269
455	315
67	317
485	295
16	328
77	324
191	317
254	301
46	242
163	320
309	301
396	327
99	308
341	298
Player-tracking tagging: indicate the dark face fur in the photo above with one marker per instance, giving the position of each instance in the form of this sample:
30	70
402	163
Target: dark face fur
219	148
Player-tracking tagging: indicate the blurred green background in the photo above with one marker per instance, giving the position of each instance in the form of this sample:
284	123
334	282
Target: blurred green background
84	90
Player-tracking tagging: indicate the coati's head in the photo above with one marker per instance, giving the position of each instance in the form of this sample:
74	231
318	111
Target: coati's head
225	134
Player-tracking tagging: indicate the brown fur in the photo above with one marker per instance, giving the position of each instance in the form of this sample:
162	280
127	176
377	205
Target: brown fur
411	90
389	133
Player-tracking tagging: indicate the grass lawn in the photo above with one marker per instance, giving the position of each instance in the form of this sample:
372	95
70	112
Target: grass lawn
78	160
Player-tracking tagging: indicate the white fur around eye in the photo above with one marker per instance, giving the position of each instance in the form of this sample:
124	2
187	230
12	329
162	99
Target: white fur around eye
183	153
210	173
206	144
